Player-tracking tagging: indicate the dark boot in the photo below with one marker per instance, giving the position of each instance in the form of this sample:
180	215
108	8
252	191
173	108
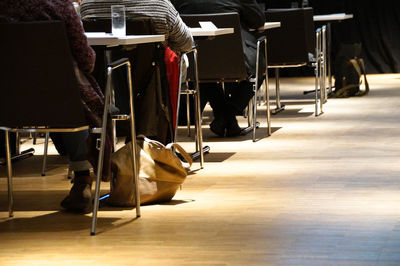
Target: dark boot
215	96
218	126
80	196
232	128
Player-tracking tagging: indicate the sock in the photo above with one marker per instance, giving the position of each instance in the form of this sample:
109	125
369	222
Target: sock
83	177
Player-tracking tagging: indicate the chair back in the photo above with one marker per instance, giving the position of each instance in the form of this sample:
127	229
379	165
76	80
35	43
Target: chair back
294	40
220	58
134	26
38	86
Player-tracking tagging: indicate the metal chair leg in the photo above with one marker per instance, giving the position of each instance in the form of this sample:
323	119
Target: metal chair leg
199	133
317	67
101	153
178	99
324	67
9	176
279	107
135	156
254	110
266	82
188	114
46	146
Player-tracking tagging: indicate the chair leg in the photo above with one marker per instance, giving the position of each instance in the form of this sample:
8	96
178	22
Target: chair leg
254	113
135	155
101	152
46	146
279	107
318	69
316	87
9	176
188	113
266	84
20	154
178	99
199	133
324	56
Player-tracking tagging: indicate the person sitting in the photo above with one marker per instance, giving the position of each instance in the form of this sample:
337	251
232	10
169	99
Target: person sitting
73	144
236	97
165	18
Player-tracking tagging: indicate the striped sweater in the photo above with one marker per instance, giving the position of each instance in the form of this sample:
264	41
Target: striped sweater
165	17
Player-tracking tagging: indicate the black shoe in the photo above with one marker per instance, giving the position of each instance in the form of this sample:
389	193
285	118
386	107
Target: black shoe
233	129
79	199
218	127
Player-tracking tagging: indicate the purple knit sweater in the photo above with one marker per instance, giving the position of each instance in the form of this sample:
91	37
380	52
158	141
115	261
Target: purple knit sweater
34	10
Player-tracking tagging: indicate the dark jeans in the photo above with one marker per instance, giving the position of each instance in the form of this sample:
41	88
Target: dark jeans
74	145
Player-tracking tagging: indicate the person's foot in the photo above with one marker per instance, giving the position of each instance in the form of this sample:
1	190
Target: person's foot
79	199
218	126
233	128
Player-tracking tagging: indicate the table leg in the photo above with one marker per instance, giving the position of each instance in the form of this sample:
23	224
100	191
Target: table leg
328	56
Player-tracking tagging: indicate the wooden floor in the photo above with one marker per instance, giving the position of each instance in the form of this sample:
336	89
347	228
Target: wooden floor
320	191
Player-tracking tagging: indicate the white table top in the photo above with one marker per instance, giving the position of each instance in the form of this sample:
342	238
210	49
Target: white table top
268	26
332	17
101	38
202	32
271	25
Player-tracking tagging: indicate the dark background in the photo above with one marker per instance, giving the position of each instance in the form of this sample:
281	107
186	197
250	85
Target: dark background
376	25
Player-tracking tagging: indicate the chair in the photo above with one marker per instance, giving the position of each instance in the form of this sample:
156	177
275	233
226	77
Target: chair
221	59
144	56
149	79
296	44
40	84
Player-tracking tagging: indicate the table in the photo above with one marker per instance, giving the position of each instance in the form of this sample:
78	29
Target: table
330	18
204	32
333	17
268	26
106	39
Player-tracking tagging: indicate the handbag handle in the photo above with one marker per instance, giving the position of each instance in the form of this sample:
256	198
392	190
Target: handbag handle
184	154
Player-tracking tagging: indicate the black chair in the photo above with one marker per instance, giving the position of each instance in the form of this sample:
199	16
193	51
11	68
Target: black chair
296	44
146	56
149	79
38	82
221	59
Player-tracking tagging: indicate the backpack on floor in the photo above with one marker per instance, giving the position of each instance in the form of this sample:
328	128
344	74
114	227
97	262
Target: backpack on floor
349	71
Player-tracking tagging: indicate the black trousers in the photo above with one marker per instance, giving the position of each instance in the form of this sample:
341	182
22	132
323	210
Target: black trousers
234	99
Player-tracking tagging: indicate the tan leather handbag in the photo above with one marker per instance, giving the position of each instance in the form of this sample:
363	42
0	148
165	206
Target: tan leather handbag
161	173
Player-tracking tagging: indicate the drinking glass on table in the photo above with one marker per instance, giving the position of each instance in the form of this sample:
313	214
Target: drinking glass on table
118	26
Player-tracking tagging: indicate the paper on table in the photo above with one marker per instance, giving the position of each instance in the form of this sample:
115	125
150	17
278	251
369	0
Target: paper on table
207	25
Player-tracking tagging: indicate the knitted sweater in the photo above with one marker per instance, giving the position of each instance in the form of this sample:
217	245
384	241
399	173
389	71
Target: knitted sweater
165	18
39	10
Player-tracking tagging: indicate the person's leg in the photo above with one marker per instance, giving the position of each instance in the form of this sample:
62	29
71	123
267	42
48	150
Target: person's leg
237	96
80	196
240	95
213	93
